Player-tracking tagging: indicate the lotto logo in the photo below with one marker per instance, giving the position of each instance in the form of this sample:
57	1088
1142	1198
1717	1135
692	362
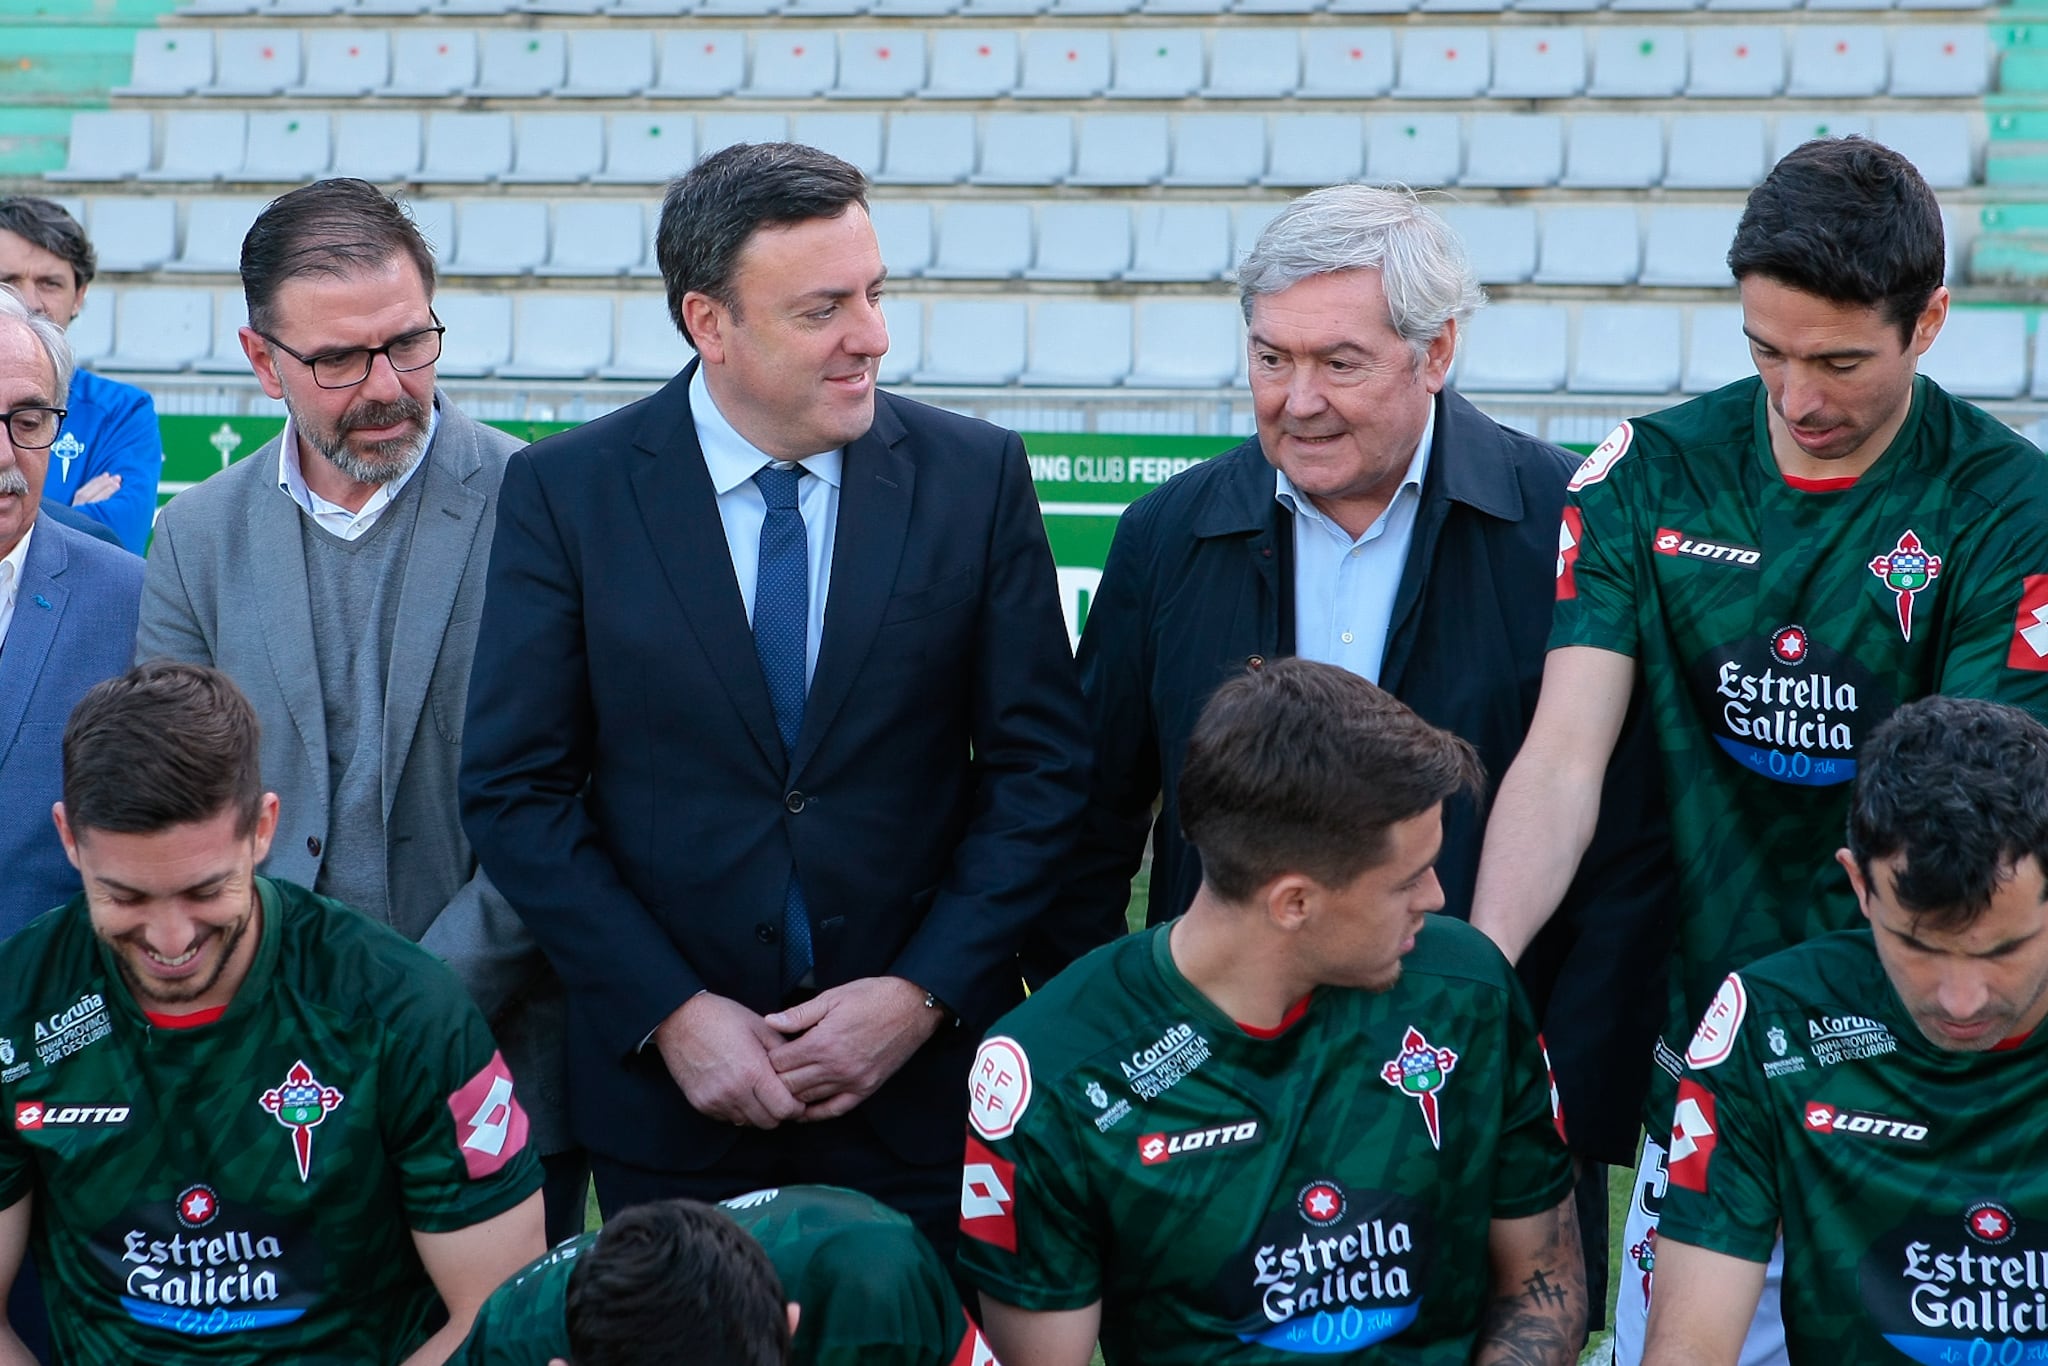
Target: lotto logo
1823	1118
1692	1136
988	1203
490	1125
33	1114
1156	1148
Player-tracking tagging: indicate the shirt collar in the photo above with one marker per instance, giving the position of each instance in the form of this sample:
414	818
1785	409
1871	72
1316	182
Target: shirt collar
731	458
1298	503
291	477
16	562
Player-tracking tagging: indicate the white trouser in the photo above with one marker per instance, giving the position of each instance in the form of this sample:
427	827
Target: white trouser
1765	1343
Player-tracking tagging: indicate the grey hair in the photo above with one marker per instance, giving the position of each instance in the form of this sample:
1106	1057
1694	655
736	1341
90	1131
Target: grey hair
1423	268
55	345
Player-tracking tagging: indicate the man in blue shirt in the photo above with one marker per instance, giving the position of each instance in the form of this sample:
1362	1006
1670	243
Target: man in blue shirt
107	460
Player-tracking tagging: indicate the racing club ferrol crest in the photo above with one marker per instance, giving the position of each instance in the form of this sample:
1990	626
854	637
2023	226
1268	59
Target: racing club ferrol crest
301	1104
1906	569
1419	1070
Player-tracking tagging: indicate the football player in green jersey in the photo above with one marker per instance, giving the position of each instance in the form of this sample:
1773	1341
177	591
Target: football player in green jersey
1777	565
249	1125
1307	1117
668	1282
864	1289
1878	1093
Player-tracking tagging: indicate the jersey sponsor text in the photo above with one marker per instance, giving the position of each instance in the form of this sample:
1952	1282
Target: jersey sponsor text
1152	1071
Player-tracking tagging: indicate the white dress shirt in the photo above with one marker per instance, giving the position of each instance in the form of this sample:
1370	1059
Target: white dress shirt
1344	588
333	517
10	579
733	462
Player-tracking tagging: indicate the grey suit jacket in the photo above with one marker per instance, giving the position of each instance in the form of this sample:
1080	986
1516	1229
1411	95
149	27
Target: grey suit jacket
226	586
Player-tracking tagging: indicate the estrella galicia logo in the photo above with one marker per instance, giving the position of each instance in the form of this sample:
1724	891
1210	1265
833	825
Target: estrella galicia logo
1946	1286
1788	707
1329	1271
186	1265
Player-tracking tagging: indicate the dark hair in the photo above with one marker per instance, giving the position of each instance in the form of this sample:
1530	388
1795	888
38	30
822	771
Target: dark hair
1960	788
676	1281
164	744
1847	220
44	223
331	227
712	210
1300	767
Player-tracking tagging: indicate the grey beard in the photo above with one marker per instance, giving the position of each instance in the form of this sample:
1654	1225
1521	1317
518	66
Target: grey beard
386	461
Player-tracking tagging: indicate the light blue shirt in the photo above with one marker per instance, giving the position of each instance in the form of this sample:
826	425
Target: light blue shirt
733	462
1344	588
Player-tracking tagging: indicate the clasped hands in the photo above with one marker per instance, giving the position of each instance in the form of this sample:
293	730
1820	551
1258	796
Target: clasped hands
814	1061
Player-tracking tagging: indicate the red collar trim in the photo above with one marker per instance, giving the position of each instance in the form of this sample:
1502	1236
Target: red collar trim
1820	485
2007	1045
191	1021
1287	1022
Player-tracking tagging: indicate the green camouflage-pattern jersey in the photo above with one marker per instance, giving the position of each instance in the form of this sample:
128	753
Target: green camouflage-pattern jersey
242	1191
870	1289
1912	1181
1231	1198
1775	627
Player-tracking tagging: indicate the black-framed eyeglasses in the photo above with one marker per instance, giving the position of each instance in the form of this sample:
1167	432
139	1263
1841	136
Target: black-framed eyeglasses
347	369
34	429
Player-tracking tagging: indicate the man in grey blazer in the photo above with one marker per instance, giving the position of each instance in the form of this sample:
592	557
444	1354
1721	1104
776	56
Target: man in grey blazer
337	576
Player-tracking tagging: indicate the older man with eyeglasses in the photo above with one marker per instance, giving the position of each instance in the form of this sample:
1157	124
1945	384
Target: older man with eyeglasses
337	576
67	612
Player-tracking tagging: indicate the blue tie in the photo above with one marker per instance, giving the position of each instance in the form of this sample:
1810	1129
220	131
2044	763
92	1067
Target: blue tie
782	616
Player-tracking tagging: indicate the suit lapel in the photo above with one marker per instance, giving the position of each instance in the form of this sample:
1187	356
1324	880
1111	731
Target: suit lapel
679	509
38	611
450	514
283	604
874	513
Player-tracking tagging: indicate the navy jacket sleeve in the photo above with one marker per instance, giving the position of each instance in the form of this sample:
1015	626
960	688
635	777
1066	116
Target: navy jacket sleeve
527	745
1030	763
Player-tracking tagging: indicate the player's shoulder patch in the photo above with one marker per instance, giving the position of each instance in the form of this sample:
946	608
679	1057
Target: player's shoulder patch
1714	1040
1605	456
998	1087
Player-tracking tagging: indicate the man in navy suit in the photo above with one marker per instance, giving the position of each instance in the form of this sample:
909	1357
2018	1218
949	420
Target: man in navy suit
68	604
774	737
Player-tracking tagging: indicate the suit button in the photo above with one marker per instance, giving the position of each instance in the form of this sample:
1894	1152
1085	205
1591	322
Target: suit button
1255	661
794	802
313	845
766	933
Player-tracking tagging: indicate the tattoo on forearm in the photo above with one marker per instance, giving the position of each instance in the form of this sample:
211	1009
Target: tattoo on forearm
1543	1292
1544	1322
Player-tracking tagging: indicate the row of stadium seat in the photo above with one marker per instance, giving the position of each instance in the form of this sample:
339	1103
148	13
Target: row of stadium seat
1571	244
1515	347
643	10
1749	62
1511	151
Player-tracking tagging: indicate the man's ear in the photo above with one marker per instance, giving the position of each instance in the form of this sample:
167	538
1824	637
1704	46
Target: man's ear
1288	900
707	319
261	360
1857	885
64	835
795	1313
